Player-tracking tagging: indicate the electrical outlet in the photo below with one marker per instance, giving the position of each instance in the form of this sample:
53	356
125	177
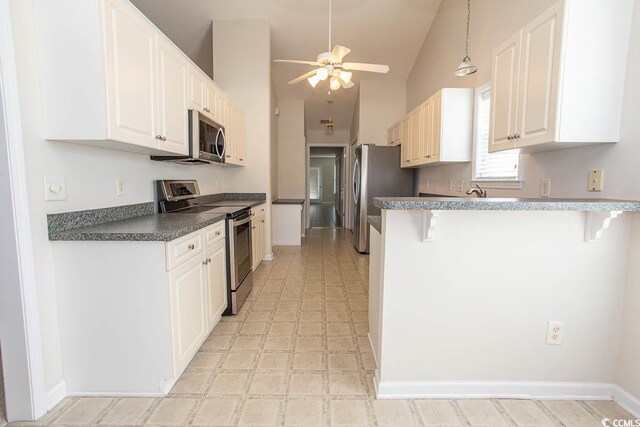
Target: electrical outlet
595	179
55	188
545	187
450	185
460	186
120	187
555	331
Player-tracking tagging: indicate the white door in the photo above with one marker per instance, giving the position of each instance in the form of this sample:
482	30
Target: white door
188	311
504	90
172	98
539	70
131	75
427	123
436	126
216	272
416	122
405	149
197	93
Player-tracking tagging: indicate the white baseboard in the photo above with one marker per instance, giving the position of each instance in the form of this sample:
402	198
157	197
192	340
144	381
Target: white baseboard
115	394
493	389
629	402
268	257
56	394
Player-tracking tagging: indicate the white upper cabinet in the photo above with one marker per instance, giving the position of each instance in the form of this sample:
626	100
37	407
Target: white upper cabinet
110	78
172	97
130	68
440	130
558	83
504	93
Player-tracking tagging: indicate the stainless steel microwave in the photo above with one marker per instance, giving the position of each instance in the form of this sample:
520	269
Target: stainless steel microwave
207	143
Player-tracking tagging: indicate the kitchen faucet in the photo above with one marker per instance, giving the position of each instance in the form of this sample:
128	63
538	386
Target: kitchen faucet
478	191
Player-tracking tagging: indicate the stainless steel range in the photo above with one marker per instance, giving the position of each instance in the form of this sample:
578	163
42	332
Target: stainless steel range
181	196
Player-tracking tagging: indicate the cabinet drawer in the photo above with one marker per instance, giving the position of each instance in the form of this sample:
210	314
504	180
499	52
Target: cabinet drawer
258	210
183	249
214	233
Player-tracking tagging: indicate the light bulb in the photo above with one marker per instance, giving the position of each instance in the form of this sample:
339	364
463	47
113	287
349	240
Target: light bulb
346	76
334	83
313	80
322	73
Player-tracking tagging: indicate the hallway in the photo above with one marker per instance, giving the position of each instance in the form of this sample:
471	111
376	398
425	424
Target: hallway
324	215
298	354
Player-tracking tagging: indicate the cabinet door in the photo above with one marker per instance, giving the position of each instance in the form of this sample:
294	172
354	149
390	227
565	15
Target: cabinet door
188	311
427	123
539	70
405	149
396	133
211	101
216	282
197	93
504	94
390	136
130	50
172	98
240	145
436	126
262	236
416	133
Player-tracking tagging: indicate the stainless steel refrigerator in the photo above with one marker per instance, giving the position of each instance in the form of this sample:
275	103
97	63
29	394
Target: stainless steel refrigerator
376	173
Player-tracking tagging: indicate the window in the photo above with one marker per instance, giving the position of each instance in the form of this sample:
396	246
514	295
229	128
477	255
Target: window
491	168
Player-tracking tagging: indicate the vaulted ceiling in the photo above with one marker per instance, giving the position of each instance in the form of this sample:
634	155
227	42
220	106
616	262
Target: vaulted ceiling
377	31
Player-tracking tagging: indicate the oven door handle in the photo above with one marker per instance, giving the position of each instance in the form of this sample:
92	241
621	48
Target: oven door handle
244	221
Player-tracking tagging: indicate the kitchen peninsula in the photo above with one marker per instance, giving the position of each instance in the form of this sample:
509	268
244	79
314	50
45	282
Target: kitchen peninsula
462	292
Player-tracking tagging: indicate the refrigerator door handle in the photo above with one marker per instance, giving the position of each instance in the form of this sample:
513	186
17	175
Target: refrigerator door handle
356	184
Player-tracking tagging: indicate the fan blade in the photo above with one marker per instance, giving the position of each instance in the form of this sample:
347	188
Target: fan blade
346	85
338	53
302	77
373	68
294	61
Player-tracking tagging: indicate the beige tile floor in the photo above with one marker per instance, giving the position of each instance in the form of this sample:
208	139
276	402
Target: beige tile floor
297	355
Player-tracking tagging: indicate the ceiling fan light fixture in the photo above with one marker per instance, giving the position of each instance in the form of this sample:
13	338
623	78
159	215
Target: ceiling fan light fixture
334	83
322	73
314	80
345	76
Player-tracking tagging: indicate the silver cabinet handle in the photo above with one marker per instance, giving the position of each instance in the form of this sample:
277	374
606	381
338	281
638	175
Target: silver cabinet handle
204	262
158	136
253	228
516	136
241	159
164	138
217	233
262	221
509	137
208	260
191	247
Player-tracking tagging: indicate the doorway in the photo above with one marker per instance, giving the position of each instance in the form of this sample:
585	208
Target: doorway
326	189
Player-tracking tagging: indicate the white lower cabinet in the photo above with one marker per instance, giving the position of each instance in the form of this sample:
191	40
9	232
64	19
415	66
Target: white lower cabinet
258	235
134	313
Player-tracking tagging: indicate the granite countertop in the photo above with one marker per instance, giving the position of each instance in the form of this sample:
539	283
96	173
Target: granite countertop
154	227
139	222
375	221
288	202
454	203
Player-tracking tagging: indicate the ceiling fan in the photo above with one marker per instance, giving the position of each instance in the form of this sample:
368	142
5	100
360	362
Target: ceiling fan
331	66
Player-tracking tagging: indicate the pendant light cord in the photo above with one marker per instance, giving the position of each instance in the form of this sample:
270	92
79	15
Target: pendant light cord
466	44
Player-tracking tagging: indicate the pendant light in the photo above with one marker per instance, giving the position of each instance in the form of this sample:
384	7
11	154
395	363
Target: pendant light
466	67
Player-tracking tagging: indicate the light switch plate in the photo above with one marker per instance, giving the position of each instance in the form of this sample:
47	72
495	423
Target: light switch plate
545	187
55	188
596	180
121	188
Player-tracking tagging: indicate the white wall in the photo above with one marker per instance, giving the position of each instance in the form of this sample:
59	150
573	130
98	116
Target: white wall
488	322
382	103
91	172
291	151
273	143
492	22
320	137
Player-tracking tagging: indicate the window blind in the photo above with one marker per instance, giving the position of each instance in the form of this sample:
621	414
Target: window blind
502	165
